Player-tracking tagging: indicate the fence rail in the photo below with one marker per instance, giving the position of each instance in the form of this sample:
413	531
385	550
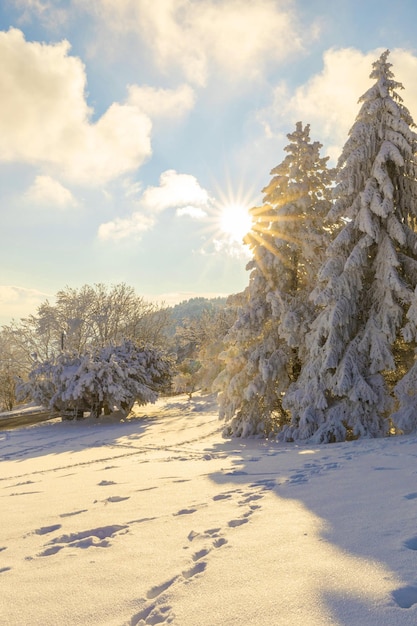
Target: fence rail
26	419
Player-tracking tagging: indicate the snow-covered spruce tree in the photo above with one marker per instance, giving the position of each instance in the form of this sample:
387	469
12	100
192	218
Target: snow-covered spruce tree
287	239
109	379
367	283
405	417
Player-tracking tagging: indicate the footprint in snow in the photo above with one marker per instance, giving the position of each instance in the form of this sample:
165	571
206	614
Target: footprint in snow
221	541
411	544
411	496
156	591
250	498
198	568
141	520
50	551
185	512
237	522
405	597
117	498
222	496
200	554
298	479
102	532
44	530
210	533
26	482
73	513
24	493
153	614
95	537
267	484
157	612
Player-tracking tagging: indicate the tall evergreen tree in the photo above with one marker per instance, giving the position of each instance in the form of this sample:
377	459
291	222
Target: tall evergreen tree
287	240
367	283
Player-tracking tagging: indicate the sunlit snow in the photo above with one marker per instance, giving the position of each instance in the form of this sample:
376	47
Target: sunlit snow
159	520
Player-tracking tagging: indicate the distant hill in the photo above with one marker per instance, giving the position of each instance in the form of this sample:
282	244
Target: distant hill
193	309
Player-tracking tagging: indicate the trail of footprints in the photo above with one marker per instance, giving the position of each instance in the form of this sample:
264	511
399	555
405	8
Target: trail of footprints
102	537
156	609
406	596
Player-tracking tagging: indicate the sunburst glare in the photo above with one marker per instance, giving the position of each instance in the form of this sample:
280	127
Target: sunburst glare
229	219
235	221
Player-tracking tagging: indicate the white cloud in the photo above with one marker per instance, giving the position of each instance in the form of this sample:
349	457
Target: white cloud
119	142
48	13
405	70
162	102
17	302
47	191
329	100
205	36
183	193
45	119
229	246
131	227
194	212
174	191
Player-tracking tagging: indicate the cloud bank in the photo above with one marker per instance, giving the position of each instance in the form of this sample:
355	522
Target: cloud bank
329	99
49	192
19	302
199	39
45	119
175	191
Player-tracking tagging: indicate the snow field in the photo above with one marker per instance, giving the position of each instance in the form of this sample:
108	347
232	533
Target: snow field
159	520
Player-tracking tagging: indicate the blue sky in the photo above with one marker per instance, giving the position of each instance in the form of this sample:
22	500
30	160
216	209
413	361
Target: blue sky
128	127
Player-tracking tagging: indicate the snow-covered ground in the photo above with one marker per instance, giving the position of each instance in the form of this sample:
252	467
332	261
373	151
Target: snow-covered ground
159	520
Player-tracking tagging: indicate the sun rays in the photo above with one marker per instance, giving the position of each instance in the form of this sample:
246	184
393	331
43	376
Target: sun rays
235	221
238	223
229	219
270	231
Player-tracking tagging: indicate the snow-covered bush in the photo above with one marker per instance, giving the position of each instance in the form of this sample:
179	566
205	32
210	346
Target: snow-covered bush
187	378
109	379
198	344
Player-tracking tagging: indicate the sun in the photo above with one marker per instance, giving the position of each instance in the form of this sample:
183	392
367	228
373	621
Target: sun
235	221
229	219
